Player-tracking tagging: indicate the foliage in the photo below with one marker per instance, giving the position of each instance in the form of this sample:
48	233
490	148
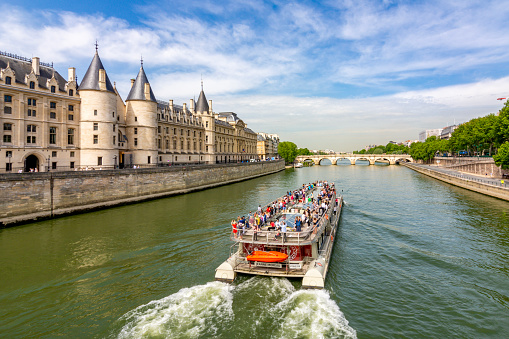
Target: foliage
303	151
502	157
390	148
288	151
426	150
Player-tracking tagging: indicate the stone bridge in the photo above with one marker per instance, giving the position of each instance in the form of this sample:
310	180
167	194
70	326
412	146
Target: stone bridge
392	159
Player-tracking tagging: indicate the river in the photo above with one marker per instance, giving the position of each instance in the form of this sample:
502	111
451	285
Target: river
415	258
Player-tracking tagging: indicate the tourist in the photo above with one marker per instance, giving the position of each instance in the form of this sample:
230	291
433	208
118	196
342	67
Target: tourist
234	226
298	224
283	229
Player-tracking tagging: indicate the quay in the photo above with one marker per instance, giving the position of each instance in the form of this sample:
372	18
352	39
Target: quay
27	197
497	188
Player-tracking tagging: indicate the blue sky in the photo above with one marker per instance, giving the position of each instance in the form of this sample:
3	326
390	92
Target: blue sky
323	74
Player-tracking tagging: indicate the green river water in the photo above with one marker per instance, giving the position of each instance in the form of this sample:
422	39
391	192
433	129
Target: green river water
415	258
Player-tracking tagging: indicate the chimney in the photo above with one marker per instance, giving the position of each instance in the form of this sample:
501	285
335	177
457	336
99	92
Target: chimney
210	105
147	91
71	74
191	106
171	106
184	105
102	79
132	82
35	65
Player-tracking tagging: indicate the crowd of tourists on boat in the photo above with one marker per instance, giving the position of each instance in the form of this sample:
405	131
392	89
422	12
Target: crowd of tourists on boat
308	218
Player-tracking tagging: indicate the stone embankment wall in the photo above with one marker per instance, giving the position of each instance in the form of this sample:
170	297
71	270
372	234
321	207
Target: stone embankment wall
474	165
29	196
476	186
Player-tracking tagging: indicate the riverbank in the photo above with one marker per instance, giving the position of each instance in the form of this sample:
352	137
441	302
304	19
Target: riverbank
31	196
493	187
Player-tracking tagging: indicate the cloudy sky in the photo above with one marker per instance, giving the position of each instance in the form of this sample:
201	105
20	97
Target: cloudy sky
323	74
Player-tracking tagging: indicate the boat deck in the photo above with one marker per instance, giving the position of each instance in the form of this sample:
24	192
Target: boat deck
247	268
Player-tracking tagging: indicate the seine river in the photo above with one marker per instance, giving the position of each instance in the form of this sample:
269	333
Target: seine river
415	258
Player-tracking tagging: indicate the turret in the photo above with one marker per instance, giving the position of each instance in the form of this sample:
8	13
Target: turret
204	110
98	123
141	124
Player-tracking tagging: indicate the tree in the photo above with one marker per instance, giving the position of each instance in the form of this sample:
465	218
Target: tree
502	157
288	151
303	151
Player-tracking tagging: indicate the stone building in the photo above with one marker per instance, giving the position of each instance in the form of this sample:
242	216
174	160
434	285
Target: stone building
50	123
267	145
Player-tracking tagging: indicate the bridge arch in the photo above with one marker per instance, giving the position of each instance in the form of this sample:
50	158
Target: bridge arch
325	162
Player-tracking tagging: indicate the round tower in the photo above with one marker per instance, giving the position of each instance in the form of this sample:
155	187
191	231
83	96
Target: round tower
141	122
98	123
204	110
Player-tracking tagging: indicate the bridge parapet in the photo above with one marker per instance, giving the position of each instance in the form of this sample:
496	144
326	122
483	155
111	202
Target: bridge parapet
392	159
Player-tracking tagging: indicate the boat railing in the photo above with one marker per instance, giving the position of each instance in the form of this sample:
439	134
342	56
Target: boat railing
290	237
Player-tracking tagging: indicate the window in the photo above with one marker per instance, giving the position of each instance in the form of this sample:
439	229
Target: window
7	127
95	112
70	117
206	138
113	128
158	129
31	128
96	126
206	124
114	139
136	130
99	161
167	144
72	164
206	148
148	159
32	113
182	144
113	114
53	165
71	154
32	85
175	131
71	92
174	144
135	118
53	88
194	134
96	139
52	115
7	80
8	167
7	138
8	154
158	143
7	110
188	131
53	136
52	104
70	138
135	141
8	98
71	108
167	130
54	154
31	139
181	131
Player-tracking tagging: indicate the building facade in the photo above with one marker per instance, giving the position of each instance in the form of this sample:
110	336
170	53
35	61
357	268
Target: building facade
267	146
50	123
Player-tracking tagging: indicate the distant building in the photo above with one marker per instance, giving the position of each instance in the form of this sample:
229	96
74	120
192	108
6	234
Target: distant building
429	133
447	132
407	143
267	145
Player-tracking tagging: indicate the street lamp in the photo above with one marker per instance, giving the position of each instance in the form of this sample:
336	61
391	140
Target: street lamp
48	164
114	162
9	157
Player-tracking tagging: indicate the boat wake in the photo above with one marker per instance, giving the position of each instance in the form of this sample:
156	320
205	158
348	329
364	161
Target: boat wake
256	307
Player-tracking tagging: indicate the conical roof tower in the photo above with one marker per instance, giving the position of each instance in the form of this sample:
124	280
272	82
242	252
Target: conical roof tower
202	104
138	89
91	78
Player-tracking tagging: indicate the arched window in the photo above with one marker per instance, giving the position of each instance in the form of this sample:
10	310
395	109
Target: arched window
7	80
71	92
53	88
32	85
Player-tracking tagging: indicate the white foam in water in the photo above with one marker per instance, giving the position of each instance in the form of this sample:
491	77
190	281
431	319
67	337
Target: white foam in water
191	312
311	314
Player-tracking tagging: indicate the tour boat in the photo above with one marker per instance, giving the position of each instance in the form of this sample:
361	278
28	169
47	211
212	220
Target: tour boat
298	165
293	254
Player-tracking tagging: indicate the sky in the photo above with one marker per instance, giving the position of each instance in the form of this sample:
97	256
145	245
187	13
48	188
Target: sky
335	75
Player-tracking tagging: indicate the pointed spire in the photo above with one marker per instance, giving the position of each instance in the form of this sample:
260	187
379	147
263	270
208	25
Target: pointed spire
138	88
91	78
202	104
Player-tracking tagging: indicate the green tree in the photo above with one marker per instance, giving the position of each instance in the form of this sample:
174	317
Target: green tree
502	157
303	151
378	150
288	151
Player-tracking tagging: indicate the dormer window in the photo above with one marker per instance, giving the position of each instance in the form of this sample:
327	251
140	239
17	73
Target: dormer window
32	85
53	89
71	92
7	80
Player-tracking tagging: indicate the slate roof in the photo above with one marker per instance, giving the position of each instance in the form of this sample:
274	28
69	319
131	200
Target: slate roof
230	116
138	89
223	123
202	104
22	68
91	78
